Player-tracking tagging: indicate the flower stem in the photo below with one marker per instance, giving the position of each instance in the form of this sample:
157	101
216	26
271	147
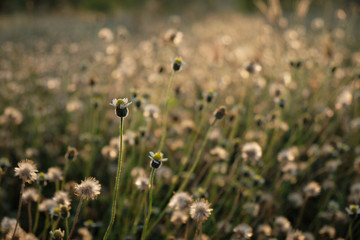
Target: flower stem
117	183
143	236
67	227
37	212
163	132
29	215
19	209
197	159
76	217
64	174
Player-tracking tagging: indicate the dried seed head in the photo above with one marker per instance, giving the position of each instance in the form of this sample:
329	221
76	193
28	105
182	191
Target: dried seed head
62	197
88	189
54	174
30	195
26	170
180	201
142	183
200	210
71	153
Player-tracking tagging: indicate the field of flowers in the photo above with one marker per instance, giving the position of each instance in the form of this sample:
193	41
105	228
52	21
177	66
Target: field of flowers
208	126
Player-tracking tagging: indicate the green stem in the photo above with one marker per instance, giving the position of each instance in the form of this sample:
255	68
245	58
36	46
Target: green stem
29	215
47	223
67	227
76	218
197	159
64	174
143	236
117	183
37	211
163	132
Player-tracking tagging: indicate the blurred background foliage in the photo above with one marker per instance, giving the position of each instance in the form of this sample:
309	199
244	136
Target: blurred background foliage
13	6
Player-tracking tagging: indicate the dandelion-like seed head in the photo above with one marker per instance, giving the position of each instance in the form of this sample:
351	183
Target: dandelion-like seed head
26	170
30	195
200	210
54	174
62	197
312	189
142	183
88	188
180	201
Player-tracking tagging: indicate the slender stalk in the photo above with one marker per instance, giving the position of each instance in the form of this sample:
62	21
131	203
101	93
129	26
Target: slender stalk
301	212
37	211
46	226
189	173
197	159
29	215
57	186
64	174
76	217
143	236
163	132
19	209
117	183
67	227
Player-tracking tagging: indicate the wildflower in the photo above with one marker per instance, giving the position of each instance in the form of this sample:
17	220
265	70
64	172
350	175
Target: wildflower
353	209
30	194
296	200
179	217
142	183
26	170
312	189
295	235
88	189
251	151
121	106
54	174
106	34
151	111
244	231
200	210
282	224
156	159
46	205
327	232
180	201
264	230
177	63
7	224
220	112
209	96
173	36
57	234
71	153
85	234
62	197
